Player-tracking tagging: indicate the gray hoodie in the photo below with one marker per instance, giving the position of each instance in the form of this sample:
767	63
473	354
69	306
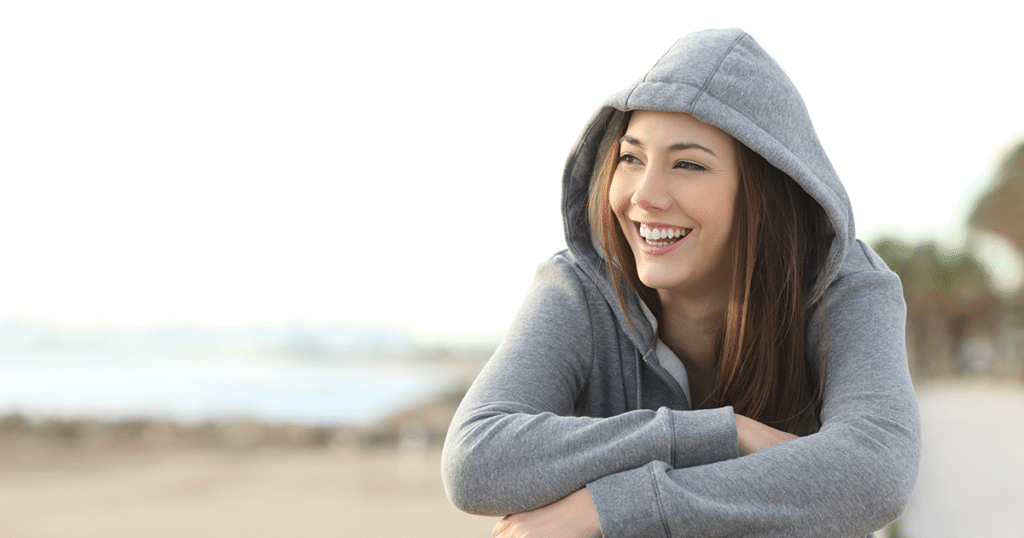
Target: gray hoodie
575	397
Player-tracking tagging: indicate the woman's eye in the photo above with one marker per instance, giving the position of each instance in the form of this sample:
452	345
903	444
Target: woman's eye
687	165
628	158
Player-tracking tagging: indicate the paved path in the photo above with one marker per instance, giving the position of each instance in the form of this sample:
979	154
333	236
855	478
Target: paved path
971	482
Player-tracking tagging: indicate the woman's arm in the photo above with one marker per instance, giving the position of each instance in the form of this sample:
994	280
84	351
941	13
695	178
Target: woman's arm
576	516
571	517
508	450
511	448
755	436
852	477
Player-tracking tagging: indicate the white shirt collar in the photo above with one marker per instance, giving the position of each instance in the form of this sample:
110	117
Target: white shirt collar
667	358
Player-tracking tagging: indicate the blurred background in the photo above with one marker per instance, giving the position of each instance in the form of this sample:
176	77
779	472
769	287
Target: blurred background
254	252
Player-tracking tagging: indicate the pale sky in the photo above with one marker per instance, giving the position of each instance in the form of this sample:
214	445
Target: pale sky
230	161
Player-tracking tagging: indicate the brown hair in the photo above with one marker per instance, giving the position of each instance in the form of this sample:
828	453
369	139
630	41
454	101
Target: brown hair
779	247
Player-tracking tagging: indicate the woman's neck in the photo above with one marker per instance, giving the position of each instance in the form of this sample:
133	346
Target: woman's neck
690	328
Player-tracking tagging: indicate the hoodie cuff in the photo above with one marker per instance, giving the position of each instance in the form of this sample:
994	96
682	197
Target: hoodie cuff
627	503
704	436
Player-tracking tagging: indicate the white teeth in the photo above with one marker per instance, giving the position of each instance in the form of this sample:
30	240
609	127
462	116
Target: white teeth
651	235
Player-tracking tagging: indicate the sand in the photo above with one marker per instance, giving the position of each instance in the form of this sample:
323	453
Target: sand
81	480
971	481
338	491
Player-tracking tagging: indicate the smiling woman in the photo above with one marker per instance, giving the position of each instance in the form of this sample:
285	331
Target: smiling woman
684	191
715	354
731	205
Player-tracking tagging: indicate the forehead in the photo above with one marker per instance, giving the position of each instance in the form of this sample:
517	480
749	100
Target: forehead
653	126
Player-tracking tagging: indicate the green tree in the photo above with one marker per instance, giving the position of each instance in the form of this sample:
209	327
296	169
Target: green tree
1001	209
950	299
950	296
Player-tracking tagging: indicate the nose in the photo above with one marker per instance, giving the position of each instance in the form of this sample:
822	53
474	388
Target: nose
650	193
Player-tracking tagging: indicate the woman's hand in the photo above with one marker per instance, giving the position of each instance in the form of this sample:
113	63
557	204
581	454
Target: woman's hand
755	436
571	517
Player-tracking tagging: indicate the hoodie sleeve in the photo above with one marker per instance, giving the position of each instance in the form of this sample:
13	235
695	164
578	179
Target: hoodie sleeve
512	447
852	477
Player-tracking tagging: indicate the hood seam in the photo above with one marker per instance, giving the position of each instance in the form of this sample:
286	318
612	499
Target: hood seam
648	74
707	81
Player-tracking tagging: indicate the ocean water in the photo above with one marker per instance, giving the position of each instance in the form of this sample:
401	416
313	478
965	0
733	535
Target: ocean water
191	391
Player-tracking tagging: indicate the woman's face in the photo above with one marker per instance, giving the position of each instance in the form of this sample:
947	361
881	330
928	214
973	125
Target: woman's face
673	193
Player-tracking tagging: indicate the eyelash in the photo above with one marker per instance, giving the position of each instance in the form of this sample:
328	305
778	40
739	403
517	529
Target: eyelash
686	165
626	158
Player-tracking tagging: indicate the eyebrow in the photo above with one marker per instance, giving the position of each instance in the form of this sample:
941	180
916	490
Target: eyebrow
678	146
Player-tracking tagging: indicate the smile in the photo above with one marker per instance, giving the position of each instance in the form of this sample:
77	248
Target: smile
661	236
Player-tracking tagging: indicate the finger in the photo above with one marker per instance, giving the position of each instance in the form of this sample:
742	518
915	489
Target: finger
502	525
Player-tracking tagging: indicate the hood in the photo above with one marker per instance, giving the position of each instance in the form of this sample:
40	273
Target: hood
723	78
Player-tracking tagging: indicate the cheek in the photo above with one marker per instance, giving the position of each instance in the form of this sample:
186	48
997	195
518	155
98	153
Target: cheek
618	196
715	204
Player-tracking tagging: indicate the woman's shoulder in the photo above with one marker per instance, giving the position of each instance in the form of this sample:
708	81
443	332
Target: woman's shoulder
864	288
860	263
566	268
565	283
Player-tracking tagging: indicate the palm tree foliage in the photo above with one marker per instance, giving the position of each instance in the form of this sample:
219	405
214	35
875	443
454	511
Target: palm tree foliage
1001	210
950	300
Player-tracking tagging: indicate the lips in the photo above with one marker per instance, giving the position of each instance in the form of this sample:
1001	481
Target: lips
661	236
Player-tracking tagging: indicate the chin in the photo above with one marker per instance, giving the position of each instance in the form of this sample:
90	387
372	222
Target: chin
659	282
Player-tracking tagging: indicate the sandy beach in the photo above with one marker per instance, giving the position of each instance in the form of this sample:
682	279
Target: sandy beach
971	481
272	492
82	480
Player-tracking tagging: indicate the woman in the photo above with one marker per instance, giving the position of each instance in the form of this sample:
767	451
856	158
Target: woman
715	354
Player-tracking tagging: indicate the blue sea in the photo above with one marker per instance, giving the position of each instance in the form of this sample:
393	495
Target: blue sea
194	390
